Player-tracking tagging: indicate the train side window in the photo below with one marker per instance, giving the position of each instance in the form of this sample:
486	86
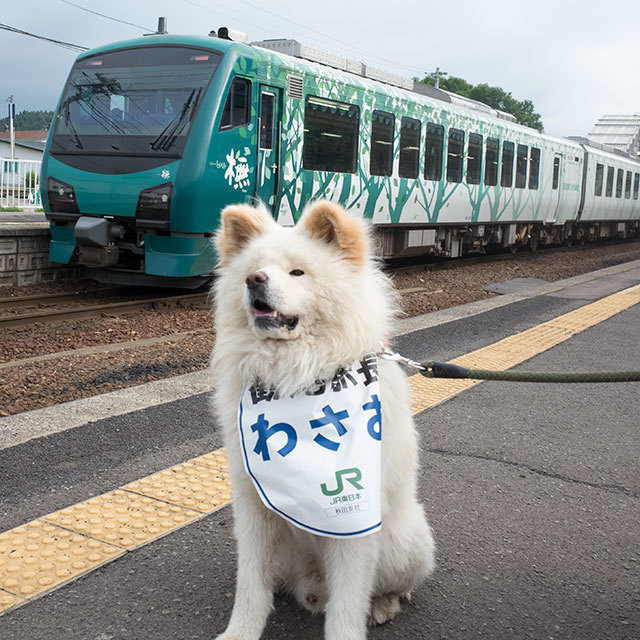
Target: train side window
619	181
599	179
534	168
433	152
237	112
610	176
521	166
627	185
636	186
506	178
330	136
474	159
555	183
382	128
455	155
491	162
409	148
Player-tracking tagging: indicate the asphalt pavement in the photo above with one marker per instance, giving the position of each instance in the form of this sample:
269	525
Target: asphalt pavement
532	492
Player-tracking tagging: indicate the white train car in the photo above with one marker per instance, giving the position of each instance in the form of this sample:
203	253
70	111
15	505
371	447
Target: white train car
434	172
611	193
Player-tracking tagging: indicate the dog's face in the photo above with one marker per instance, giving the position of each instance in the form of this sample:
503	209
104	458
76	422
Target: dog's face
279	288
295	282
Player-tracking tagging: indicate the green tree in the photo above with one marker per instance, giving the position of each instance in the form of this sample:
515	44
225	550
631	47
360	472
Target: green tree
29	121
495	97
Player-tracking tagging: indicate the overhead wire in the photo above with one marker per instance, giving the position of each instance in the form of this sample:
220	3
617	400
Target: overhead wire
69	45
60	43
264	27
104	15
325	35
233	17
344	46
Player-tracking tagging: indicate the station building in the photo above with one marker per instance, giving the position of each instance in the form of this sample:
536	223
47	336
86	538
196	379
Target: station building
620	132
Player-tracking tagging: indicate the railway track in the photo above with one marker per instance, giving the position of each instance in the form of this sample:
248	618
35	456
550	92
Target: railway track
56	307
48	299
83	311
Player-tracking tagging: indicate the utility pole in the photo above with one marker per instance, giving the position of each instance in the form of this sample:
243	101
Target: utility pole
12	115
436	75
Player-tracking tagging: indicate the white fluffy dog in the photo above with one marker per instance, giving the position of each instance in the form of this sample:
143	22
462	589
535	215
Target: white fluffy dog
293	307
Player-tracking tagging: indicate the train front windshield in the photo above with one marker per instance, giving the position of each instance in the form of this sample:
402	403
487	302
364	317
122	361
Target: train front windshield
132	109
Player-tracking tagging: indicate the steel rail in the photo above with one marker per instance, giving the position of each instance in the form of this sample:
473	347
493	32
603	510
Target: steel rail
56	315
36	300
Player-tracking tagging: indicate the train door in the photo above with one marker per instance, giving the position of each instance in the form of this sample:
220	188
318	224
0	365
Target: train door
556	189
268	176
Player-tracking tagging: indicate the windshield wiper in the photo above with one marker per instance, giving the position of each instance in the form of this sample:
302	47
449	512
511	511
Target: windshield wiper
68	123
169	134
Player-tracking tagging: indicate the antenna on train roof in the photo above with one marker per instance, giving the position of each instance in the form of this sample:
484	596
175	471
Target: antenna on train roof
162	28
224	33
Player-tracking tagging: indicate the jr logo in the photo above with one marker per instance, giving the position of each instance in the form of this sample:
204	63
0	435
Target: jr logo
351	475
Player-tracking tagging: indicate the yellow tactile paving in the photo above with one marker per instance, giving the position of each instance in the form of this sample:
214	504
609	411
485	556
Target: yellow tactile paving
215	459
8	600
194	486
428	392
40	556
511	351
123	518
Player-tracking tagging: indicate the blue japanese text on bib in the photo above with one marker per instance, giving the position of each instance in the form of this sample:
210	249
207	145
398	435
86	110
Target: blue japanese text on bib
315	458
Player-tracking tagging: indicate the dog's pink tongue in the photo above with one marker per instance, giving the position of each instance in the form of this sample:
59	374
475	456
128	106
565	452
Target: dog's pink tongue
264	314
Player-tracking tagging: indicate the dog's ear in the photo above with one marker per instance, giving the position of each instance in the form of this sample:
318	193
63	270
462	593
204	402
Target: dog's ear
239	223
329	222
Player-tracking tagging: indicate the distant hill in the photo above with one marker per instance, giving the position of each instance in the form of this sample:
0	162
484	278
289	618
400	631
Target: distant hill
29	121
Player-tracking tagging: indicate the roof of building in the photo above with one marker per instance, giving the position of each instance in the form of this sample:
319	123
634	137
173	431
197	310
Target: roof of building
38	135
29	144
618	131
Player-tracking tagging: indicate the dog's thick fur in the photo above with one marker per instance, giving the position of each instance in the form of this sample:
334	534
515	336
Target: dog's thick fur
332	306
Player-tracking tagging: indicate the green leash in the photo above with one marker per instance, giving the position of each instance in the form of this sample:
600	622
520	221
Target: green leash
446	370
430	369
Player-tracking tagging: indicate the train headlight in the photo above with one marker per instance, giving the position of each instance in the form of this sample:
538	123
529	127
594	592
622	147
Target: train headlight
154	206
62	198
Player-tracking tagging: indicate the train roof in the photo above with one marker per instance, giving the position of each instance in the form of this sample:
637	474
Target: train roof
426	95
604	150
435	98
208	42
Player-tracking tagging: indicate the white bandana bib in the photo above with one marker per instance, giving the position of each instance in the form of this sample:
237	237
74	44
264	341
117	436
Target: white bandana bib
315	458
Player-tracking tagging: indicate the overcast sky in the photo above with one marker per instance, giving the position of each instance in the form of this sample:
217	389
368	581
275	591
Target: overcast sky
575	60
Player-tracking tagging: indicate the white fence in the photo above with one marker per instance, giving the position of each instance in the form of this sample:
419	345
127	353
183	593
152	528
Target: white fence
20	183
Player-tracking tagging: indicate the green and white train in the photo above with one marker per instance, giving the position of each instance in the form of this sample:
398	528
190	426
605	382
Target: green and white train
154	136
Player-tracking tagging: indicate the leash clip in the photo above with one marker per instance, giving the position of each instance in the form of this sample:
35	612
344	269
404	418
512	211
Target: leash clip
387	354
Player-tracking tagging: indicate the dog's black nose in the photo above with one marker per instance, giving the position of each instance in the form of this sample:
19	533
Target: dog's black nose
255	279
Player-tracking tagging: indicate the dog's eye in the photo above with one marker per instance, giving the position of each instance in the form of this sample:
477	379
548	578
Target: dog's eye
296	272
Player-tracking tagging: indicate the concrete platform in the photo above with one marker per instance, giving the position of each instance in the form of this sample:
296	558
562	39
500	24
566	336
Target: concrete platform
26	217
24	251
515	285
532	490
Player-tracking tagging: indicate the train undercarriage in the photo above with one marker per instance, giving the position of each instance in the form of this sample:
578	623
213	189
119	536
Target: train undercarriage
111	252
455	241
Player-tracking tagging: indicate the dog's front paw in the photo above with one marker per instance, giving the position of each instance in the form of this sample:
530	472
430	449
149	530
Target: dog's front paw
229	636
384	608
